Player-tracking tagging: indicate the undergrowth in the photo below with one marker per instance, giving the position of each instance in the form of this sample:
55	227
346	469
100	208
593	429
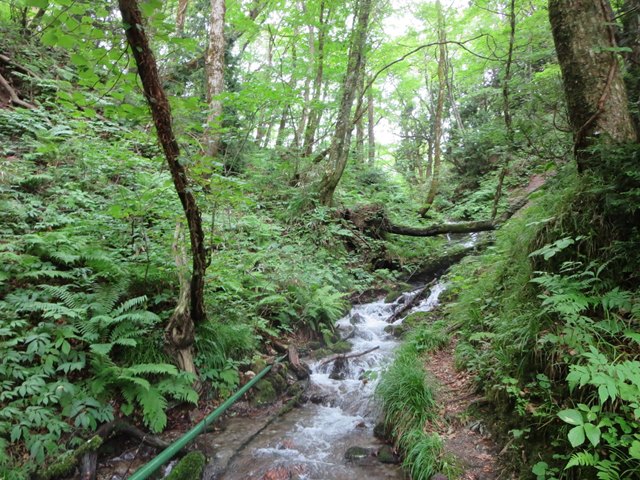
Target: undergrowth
549	319
407	399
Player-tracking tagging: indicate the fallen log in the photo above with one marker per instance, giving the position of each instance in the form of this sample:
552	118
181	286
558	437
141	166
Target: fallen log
343	356
408	304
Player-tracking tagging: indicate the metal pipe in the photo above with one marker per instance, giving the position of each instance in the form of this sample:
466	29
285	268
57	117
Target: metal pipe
164	456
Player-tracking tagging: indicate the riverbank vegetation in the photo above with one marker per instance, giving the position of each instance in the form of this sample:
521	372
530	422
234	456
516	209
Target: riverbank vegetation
181	192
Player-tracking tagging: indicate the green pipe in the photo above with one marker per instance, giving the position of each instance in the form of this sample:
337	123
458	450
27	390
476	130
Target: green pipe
164	456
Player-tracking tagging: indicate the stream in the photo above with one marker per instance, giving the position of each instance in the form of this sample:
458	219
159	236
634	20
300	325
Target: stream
310	442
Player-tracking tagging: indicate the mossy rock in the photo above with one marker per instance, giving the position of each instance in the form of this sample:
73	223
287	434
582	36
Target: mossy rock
394	294
357	453
381	431
321	353
279	381
264	394
341	347
387	455
258	365
190	467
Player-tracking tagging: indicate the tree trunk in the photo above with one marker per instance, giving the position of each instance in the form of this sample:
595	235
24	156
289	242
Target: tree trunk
314	111
371	140
506	108
442	88
194	311
595	92
214	67
181	15
631	40
338	152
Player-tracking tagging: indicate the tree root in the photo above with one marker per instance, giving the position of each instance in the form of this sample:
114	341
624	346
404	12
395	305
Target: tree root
13	95
87	453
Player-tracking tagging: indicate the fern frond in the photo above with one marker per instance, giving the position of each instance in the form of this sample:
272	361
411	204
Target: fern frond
153	369
153	405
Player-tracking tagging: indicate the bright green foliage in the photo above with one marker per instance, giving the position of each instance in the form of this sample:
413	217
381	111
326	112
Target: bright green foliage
550	334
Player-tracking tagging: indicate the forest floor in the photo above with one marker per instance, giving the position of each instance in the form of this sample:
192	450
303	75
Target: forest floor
466	438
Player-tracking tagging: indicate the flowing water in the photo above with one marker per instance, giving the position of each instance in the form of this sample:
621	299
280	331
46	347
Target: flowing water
310	442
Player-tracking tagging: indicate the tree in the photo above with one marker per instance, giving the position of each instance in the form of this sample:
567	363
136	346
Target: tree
594	88
438	116
339	151
190	310
214	63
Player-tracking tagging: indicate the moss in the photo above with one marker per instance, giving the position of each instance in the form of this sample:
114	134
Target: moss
190	467
264	394
396	292
386	455
67	461
341	347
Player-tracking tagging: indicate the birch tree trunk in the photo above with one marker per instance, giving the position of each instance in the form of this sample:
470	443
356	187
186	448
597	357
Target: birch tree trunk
595	91
190	309
214	68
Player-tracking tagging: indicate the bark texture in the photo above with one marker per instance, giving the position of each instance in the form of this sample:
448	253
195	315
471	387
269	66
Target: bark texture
438	120
339	151
214	67
595	91
191	312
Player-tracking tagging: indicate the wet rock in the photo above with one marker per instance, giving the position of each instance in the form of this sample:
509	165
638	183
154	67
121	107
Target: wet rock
347	333
340	369
341	347
380	431
356	318
387	455
357	453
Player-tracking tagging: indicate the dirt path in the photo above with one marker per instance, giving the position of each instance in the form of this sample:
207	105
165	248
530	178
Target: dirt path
465	438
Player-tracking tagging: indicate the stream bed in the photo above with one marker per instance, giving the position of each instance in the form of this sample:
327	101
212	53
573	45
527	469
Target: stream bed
310	442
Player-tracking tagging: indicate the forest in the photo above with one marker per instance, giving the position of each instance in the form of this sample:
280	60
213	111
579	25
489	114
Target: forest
193	190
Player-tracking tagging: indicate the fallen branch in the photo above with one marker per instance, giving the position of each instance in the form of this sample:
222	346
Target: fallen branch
89	461
346	357
409	303
13	95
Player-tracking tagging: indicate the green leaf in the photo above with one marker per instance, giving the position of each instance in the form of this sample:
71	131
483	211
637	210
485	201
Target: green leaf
593	433
50	38
37	3
66	41
571	416
576	436
540	468
634	450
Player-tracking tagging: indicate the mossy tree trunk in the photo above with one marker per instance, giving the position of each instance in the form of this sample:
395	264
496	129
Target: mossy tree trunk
438	117
190	310
594	88
339	150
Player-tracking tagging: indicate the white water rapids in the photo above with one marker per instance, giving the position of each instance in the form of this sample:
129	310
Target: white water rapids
310	442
